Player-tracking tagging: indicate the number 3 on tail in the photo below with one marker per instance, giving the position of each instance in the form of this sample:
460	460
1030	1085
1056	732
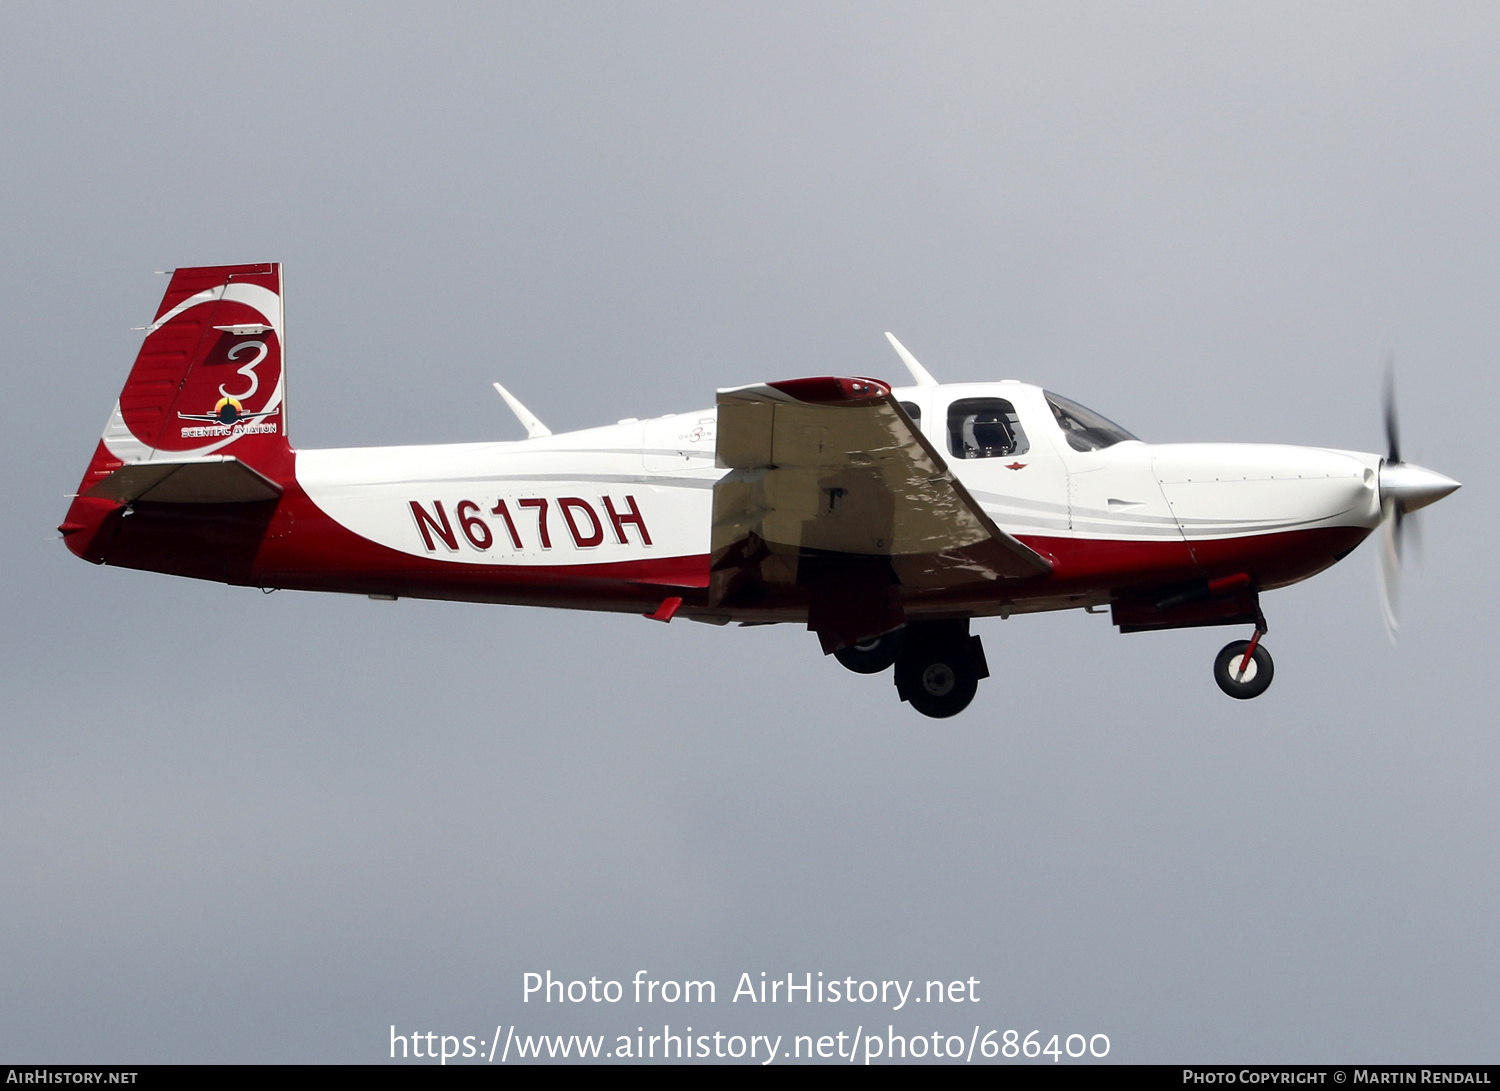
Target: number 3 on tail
248	371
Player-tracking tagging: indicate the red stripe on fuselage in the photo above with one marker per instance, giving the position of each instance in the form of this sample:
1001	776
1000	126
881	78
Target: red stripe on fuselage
1270	560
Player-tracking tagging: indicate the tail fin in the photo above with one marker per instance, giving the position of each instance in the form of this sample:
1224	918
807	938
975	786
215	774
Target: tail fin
204	405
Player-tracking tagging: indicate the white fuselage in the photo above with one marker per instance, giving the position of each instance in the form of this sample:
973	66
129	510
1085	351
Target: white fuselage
1130	491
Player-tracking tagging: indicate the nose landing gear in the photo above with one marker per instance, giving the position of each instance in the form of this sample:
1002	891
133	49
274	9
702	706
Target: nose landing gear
1243	668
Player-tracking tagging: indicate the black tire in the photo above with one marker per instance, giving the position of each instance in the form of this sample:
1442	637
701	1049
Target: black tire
939	679
874	655
1258	674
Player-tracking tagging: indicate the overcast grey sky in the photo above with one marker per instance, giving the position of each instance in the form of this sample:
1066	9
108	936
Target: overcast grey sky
237	827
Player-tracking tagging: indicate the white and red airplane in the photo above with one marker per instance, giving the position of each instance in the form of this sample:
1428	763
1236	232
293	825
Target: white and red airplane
884	519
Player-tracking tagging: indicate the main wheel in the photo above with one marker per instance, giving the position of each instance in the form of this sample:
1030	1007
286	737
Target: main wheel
1250	682
938	679
874	655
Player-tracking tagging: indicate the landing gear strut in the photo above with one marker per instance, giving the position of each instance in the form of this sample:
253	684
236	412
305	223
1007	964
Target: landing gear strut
939	667
1244	668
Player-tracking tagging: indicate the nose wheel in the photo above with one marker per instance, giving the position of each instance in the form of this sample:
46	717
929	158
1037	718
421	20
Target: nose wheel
1243	668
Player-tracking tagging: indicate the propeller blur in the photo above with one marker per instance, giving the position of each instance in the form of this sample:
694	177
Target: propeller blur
1404	489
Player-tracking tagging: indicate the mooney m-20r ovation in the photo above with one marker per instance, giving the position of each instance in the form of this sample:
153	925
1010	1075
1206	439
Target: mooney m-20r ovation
883	519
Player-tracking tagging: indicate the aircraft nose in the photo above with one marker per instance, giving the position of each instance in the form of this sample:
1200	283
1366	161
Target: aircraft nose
1412	487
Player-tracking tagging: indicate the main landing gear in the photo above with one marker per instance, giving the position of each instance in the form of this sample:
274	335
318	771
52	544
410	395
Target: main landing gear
938	664
874	655
1244	668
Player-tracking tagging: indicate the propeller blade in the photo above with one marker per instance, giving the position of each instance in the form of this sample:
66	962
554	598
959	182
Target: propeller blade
1388	551
1404	488
1411	527
1392	429
1388	567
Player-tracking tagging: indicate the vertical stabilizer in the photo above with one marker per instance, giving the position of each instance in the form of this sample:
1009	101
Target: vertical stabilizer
208	387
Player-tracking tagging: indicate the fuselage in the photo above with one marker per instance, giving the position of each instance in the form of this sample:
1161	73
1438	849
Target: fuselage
614	517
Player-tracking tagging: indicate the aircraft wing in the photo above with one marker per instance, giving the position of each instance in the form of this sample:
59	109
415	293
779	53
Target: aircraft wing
832	471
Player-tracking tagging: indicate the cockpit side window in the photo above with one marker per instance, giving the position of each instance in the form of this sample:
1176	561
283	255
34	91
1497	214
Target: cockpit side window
985	428
1085	429
914	411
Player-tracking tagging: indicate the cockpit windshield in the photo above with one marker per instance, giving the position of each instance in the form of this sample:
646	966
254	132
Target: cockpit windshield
1085	429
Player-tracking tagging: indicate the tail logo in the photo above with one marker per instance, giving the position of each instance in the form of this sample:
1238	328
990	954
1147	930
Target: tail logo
228	419
229	411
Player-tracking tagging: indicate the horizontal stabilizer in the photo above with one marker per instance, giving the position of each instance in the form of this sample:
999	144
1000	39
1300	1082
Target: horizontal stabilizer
218	479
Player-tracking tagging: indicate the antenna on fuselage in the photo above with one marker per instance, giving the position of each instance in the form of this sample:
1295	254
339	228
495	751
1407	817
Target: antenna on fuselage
922	376
534	427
